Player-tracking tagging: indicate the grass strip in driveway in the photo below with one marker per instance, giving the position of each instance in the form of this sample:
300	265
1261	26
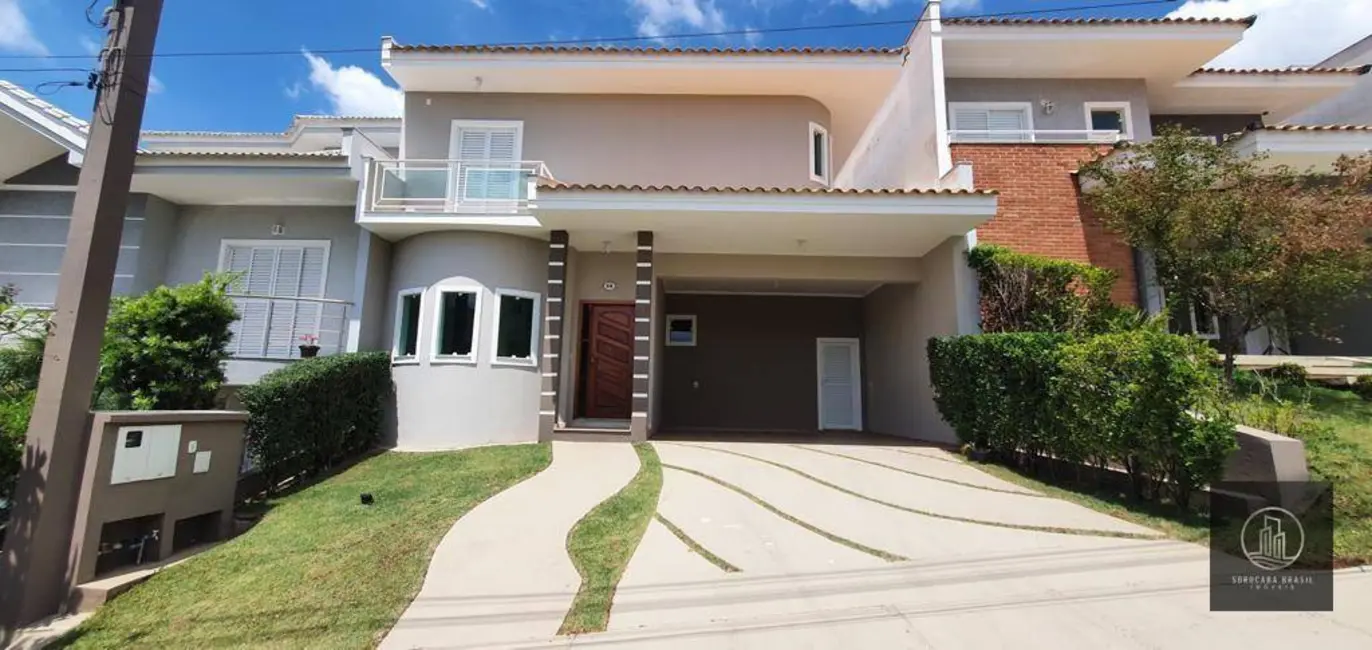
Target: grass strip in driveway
320	570
696	547
925	513
911	472
601	544
875	552
1188	527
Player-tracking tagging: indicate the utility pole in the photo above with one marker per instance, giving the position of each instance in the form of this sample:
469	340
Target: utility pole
35	567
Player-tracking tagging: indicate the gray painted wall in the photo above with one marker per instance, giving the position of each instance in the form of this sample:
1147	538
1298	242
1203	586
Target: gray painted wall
159	233
451	405
378	282
889	353
645	139
201	229
33	236
1068	95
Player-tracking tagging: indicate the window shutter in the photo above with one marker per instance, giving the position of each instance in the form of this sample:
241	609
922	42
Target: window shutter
971	119
494	150
472	144
984	122
1006	120
270	328
503	143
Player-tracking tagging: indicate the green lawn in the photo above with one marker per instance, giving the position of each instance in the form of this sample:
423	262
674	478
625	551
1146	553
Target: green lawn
320	570
601	544
1336	427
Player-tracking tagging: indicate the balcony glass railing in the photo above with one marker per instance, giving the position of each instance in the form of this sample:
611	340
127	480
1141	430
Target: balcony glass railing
458	186
1038	136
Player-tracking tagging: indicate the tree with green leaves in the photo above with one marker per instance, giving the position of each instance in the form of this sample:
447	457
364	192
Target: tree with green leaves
1255	243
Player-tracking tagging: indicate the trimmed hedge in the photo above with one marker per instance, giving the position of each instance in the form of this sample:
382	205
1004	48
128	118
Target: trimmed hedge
1143	400
316	413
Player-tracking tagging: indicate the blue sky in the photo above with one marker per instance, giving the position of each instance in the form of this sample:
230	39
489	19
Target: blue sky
261	93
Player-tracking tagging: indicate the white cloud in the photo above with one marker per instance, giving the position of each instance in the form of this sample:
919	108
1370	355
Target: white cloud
661	17
352	90
16	34
751	36
1288	32
481	4
155	85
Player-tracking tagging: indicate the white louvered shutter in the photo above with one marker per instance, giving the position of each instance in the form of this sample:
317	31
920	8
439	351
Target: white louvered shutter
982	123
266	327
490	157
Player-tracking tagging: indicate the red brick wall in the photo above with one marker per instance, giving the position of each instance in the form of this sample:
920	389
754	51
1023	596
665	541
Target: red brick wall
1040	209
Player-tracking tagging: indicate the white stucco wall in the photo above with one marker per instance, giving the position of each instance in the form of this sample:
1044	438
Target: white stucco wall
454	405
905	144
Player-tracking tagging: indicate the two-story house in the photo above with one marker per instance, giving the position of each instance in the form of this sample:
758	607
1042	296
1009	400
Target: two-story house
610	242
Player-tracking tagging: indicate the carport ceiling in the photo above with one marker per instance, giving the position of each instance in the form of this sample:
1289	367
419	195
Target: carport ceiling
761	286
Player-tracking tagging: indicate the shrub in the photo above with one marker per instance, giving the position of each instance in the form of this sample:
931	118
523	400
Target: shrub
1149	401
1030	293
14	425
1144	400
1291	374
165	349
314	413
992	388
1363	387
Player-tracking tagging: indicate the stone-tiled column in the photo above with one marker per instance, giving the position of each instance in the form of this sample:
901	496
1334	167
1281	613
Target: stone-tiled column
643	330
552	334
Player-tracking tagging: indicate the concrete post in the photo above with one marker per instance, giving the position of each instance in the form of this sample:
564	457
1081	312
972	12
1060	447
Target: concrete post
35	567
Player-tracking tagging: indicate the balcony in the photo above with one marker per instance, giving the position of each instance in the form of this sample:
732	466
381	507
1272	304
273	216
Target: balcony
963	136
452	187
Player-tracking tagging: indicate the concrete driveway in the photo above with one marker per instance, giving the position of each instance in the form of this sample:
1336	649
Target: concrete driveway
805	545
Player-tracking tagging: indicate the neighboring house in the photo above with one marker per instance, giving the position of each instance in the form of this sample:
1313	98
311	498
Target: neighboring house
1353	110
614	242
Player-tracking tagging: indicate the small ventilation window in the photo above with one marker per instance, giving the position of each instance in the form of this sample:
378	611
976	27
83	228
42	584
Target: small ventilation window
681	330
819	154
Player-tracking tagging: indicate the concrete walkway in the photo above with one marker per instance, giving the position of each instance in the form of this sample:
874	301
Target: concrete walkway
502	572
818	567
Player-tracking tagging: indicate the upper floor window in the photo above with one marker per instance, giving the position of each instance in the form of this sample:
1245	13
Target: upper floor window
819	153
991	121
1109	116
489	153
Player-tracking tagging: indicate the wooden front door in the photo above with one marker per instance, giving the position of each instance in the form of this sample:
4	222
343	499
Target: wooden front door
608	360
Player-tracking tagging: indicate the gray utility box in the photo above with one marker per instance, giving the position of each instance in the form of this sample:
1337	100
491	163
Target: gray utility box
155	482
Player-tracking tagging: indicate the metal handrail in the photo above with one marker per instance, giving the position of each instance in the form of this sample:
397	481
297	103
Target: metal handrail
326	301
1090	136
392	184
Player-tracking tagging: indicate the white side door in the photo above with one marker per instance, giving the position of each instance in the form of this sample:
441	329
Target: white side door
840	384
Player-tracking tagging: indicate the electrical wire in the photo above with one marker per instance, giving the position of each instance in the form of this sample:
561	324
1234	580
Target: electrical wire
624	39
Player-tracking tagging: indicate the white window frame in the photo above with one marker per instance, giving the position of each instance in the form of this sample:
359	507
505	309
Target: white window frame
1127	117
457	126
1214	324
396	357
827	162
326	244
667	333
532	361
1026	107
471	357
224	245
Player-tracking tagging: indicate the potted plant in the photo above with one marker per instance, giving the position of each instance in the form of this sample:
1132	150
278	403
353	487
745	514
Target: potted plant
310	348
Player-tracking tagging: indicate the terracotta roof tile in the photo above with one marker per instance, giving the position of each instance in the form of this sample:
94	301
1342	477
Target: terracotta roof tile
1315	127
1248	22
647	51
1358	69
725	189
